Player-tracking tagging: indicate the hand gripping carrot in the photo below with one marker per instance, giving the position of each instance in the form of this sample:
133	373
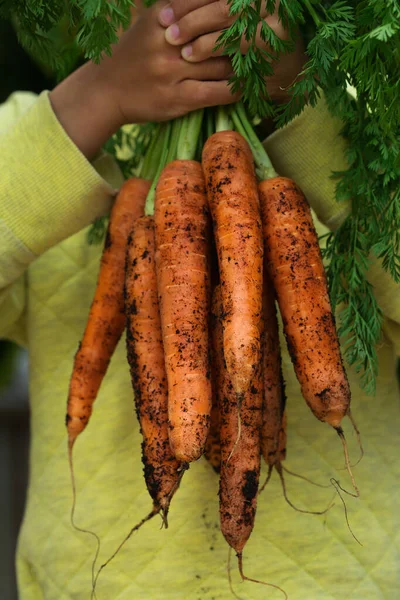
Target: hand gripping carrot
295	265
182	263
106	320
233	198
146	360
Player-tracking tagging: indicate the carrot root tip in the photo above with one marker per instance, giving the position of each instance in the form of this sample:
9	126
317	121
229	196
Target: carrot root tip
328	485
278	468
245	578
340	433
358	434
270	469
338	487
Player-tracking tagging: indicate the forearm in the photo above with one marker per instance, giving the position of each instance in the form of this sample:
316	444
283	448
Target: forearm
82	105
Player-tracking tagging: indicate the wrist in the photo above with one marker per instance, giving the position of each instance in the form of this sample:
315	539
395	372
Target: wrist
84	107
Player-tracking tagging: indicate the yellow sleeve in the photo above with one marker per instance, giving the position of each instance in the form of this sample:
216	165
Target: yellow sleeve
308	149
48	192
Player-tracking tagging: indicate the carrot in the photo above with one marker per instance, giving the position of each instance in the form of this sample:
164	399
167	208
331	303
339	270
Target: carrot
146	360
295	265
240	457
233	198
182	264
274	430
106	320
273	437
212	450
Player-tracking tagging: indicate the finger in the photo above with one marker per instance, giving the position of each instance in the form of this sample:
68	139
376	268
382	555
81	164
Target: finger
212	17
199	94
176	9
202	48
213	69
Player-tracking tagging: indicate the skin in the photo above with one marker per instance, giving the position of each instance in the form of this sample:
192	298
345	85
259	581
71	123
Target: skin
145	79
153	76
195	25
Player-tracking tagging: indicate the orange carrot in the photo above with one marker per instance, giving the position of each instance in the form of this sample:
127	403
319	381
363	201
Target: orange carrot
273	438
240	454
233	198
295	265
274	430
182	264
212	450
146	360
106	320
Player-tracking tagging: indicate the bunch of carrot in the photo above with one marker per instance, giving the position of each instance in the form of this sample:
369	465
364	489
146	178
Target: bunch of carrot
203	340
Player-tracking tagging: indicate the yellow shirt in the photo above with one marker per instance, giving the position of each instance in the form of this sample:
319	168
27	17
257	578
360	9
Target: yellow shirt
49	195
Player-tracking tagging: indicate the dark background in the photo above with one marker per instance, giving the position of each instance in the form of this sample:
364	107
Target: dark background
17	72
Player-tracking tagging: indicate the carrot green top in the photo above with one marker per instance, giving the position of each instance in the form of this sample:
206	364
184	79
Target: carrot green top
49	194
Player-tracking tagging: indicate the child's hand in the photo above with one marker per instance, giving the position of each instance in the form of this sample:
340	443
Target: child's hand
146	79
195	26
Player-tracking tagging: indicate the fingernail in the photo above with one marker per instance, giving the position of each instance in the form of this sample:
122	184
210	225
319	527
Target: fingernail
187	52
172	33
167	16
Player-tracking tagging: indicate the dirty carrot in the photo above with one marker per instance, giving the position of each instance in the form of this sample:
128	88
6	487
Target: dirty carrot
147	367
212	450
182	265
232	193
240	454
295	265
273	436
240	457
105	323
106	320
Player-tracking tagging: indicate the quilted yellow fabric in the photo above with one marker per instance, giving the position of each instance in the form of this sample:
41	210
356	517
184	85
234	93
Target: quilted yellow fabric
49	195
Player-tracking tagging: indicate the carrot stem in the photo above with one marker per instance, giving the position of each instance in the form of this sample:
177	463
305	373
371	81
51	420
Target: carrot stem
223	121
210	122
189	135
149	164
238	124
264	167
312	12
174	140
149	207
